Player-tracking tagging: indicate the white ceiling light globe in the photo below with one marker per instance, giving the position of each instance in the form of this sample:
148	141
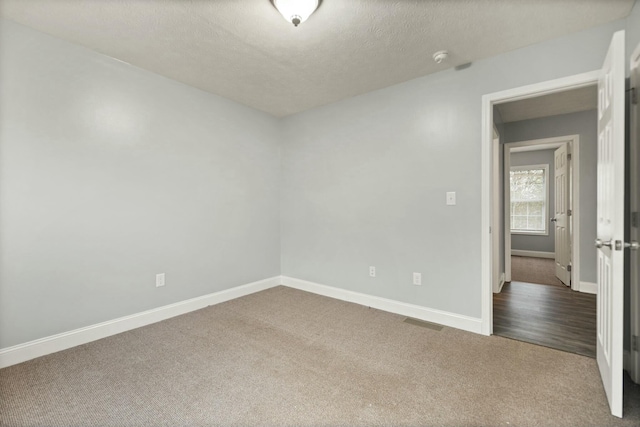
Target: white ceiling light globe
296	11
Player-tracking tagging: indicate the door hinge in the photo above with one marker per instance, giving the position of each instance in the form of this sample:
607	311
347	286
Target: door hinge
635	219
634	96
569	212
634	343
569	156
569	268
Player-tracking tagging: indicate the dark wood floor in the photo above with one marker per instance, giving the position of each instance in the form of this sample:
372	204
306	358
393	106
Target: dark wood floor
549	315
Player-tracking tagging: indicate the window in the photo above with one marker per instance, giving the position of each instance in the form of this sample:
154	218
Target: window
529	194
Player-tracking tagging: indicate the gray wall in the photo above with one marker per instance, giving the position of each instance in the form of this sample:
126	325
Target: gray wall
364	180
584	124
528	242
110	174
632	31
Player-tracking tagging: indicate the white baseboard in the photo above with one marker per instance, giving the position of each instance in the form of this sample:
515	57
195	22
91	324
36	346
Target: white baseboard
500	285
54	343
453	320
533	254
588	287
51	344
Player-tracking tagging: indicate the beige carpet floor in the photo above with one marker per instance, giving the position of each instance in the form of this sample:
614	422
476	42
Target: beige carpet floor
534	270
284	357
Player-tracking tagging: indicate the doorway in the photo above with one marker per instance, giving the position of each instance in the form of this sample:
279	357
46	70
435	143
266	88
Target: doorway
540	301
541	200
493	179
610	243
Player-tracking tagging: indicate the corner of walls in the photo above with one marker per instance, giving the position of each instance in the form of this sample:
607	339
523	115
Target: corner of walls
111	174
365	179
281	143
457	321
361	184
52	344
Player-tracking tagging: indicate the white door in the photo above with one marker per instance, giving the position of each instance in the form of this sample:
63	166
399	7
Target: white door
561	214
634	193
610	221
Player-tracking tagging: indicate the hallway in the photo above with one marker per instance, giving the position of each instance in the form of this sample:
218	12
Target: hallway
546	313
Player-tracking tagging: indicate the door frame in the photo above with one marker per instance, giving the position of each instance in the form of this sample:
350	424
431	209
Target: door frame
631	357
573	144
487	216
498	277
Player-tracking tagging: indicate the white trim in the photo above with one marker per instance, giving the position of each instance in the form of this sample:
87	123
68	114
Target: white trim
54	343
502	282
488	101
486	217
588	288
495	227
506	196
530	233
533	254
574	205
539	146
445	318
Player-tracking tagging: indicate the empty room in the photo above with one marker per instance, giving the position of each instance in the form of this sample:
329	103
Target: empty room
292	212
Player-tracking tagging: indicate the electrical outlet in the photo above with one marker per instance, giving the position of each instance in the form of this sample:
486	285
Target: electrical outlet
159	280
372	271
451	198
417	278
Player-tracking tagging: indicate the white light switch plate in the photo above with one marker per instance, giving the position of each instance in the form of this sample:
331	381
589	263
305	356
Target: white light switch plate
451	198
417	279
159	280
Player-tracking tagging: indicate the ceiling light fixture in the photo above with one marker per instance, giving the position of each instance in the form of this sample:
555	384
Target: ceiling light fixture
296	11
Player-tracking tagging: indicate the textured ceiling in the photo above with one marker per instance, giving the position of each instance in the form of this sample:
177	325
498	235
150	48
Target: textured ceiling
245	51
570	101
